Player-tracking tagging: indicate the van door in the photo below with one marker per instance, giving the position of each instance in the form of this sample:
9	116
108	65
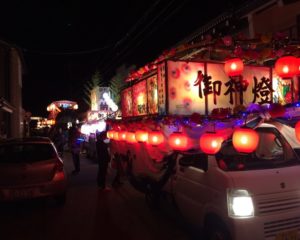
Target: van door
189	184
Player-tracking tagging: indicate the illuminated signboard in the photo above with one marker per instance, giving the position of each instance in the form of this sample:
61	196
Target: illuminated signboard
200	87
152	96
284	88
126	102
161	88
139	94
95	95
183	95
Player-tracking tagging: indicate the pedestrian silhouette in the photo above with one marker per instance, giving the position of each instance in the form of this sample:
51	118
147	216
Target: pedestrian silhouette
74	145
103	158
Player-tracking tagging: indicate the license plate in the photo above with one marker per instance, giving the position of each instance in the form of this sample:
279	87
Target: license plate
21	194
290	235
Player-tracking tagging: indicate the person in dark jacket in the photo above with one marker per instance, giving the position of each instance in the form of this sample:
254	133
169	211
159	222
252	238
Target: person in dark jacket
103	158
74	146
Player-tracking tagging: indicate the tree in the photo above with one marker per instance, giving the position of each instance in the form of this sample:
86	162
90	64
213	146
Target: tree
95	81
117	83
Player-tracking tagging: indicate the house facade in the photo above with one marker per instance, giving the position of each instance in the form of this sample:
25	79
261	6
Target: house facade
11	111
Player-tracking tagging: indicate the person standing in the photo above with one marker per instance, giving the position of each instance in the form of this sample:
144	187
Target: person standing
59	141
74	145
103	158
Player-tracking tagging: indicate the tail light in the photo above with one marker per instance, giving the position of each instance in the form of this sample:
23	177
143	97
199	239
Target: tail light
59	166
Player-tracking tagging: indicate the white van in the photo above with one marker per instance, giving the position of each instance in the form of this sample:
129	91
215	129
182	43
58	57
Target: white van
241	196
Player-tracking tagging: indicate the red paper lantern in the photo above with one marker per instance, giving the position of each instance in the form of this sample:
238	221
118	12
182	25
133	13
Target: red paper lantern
155	138
110	134
297	130
286	67
141	136
298	67
234	67
210	142
178	141
130	137
116	136
245	140
122	135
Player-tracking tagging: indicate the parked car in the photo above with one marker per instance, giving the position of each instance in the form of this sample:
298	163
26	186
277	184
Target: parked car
234	195
31	168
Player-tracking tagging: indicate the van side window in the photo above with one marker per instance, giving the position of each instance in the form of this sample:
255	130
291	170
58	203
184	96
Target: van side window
194	160
273	151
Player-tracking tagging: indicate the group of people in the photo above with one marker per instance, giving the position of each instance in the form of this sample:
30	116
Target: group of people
74	145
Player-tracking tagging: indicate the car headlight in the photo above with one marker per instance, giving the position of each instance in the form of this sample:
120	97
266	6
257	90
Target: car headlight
240	204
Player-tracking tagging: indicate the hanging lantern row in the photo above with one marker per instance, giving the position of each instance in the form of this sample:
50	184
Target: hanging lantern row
244	140
285	67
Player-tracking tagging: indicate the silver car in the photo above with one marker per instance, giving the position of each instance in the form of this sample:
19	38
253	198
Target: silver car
31	168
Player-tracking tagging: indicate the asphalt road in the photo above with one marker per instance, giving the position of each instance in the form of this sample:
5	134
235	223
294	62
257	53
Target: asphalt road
90	213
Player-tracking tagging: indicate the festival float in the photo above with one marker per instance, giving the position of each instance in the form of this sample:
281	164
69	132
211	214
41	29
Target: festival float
102	108
197	96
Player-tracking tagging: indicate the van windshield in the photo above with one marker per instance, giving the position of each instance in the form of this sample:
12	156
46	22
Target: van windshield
273	151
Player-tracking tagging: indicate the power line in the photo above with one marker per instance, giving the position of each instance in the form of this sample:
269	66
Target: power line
132	29
114	61
125	51
95	50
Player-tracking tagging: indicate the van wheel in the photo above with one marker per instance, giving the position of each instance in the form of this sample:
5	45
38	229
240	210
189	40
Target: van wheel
215	230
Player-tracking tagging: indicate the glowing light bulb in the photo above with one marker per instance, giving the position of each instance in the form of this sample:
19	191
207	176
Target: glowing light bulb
214	144
244	140
233	66
177	141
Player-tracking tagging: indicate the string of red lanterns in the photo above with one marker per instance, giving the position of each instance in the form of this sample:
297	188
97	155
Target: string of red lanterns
244	140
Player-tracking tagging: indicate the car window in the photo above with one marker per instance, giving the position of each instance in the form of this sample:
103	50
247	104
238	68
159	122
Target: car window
194	160
273	151
26	153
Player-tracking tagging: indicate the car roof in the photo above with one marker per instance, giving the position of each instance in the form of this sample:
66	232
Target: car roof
27	140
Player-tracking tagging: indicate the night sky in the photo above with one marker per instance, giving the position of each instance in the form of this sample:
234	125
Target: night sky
65	42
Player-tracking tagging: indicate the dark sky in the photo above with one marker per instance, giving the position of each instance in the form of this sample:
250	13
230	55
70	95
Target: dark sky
64	42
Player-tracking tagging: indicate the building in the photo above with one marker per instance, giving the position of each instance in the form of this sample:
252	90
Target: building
253	18
11	111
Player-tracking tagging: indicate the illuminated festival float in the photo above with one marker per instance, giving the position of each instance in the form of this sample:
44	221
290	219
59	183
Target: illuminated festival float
57	106
198	96
102	109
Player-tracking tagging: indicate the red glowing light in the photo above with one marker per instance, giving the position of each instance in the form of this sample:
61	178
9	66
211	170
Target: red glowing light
210	143
286	67
245	140
297	130
234	67
130	137
178	141
110	134
298	66
155	138
122	135
116	135
141	136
